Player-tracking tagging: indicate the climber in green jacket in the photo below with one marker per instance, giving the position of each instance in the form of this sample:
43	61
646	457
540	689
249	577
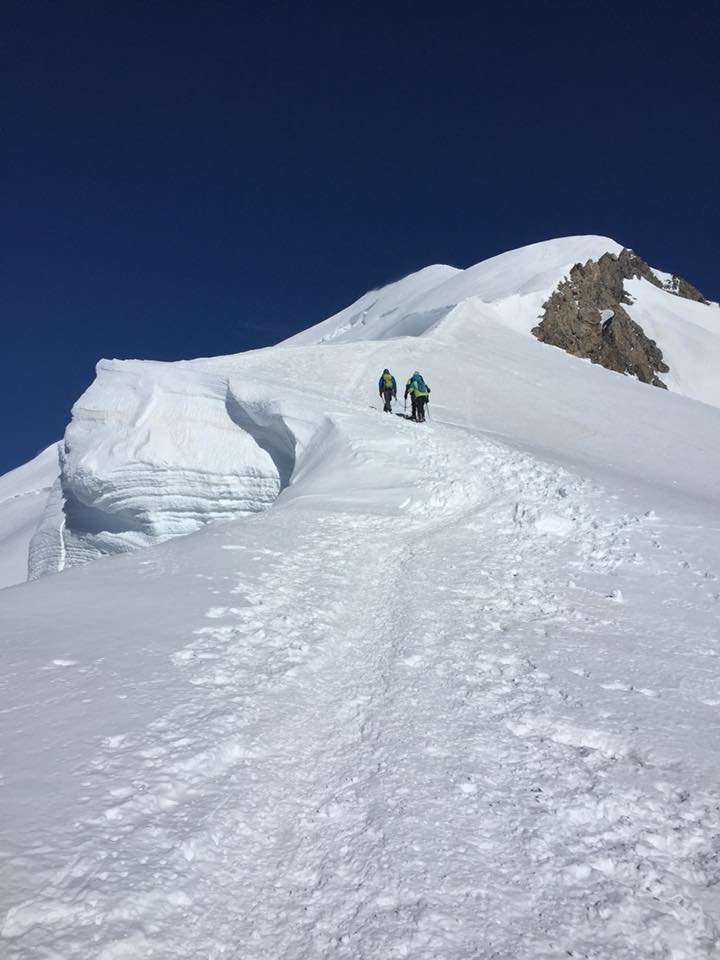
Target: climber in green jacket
419	393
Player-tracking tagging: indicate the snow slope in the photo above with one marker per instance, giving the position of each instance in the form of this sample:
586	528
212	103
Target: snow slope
446	691
156	450
23	497
516	283
462	725
512	289
688	334
383	313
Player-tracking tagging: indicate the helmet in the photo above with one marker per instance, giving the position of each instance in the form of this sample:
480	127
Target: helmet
386	370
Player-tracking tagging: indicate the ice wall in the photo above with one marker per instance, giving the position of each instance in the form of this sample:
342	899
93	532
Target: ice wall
155	451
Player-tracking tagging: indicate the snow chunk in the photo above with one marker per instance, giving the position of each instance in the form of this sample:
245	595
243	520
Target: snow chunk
552	523
155	451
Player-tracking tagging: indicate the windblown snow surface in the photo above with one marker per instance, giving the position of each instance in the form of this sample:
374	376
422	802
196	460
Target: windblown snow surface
435	691
23	497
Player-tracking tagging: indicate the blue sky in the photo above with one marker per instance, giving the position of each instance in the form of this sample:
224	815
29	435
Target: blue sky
187	179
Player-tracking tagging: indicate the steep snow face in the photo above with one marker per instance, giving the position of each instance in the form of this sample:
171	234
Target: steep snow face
687	332
154	451
23	497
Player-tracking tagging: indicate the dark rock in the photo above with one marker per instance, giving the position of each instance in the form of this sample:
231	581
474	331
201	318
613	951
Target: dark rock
682	288
585	317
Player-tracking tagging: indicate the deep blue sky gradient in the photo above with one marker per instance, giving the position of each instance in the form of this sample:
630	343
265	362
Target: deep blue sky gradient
185	179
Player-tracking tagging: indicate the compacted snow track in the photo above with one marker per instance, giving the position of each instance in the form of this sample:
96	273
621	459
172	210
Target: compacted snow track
427	757
441	692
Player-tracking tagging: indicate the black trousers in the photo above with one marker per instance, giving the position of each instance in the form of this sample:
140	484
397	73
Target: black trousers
387	397
420	407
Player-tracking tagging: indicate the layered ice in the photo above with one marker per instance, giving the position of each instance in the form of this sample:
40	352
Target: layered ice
24	496
156	451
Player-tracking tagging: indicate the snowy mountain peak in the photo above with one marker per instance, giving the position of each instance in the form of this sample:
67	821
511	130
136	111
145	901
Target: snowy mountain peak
158	450
414	305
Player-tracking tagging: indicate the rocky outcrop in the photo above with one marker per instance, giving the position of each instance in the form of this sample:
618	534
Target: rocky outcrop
585	317
681	288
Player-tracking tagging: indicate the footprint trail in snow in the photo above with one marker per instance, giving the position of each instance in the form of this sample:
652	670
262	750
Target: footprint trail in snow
407	735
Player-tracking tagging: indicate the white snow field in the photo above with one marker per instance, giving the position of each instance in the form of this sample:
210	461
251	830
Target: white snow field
427	691
23	496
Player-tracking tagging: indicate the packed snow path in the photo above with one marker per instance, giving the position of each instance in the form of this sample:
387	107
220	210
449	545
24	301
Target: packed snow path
452	731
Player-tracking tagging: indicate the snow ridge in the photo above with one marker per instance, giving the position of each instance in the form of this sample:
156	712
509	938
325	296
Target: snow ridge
394	777
158	450
454	695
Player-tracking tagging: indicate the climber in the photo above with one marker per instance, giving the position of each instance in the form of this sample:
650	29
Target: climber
419	393
409	393
388	389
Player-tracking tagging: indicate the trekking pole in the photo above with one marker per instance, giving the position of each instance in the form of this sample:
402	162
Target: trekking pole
427	410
